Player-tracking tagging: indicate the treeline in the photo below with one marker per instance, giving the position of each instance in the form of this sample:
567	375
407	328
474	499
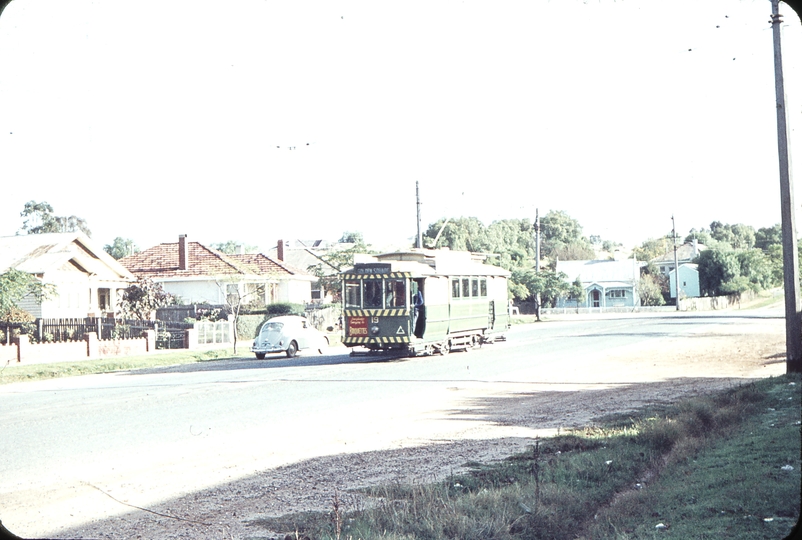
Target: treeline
733	258
739	258
510	243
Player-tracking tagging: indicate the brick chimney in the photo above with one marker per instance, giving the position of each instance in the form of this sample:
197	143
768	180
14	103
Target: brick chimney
280	250
183	255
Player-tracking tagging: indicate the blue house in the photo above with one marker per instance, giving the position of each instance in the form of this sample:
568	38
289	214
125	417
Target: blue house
688	281
606	283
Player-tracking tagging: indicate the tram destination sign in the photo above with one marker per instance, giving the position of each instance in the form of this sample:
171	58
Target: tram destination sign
372	268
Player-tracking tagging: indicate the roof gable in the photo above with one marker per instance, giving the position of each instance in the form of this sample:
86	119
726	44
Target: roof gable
40	253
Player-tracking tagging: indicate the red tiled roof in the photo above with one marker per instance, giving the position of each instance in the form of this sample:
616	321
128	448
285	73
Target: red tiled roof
162	262
266	265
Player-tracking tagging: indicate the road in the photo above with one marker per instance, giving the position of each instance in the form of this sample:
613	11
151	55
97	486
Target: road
74	450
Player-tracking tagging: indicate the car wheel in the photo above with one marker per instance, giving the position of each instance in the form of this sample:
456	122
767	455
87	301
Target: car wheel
260	356
292	350
326	339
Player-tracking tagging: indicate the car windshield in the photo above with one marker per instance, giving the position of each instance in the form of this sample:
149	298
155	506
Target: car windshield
272	327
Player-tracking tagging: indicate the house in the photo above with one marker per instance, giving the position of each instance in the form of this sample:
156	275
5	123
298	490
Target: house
88	281
195	273
309	253
688	281
686	254
607	283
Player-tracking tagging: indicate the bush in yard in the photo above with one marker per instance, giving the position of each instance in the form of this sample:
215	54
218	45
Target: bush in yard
284	308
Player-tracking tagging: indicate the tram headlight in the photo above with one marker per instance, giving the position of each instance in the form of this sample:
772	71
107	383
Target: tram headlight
374	330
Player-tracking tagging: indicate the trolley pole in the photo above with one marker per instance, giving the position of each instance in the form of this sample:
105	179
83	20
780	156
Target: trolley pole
793	328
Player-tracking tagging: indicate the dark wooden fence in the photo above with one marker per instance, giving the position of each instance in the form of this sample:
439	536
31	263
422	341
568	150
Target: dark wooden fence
169	334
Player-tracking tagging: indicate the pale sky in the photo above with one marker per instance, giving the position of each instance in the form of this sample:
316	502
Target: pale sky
257	120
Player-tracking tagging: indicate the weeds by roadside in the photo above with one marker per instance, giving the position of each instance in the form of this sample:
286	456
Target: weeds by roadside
33	372
725	465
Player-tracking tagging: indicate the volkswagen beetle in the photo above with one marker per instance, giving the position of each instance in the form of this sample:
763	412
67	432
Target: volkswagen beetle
288	334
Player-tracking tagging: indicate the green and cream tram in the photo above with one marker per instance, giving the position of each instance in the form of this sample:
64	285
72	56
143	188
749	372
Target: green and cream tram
424	302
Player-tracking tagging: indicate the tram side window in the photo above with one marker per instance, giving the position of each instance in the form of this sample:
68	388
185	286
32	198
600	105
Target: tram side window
466	287
455	288
483	287
352	299
395	293
474	287
372	293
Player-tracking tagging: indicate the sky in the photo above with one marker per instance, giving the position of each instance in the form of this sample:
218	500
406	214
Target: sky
260	120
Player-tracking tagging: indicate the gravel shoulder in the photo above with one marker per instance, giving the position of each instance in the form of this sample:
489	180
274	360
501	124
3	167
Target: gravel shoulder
620	383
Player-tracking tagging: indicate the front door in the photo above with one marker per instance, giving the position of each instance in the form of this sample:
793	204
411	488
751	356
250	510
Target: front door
595	298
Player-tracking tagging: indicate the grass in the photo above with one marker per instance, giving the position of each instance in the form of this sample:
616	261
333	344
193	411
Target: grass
713	467
32	372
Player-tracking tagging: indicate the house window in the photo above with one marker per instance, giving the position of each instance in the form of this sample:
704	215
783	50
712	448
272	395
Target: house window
232	294
617	293
104	299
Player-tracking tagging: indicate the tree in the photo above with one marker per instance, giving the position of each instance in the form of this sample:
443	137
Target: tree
237	295
39	219
16	286
334	261
650	290
576	291
766	237
653	248
352	237
460	234
525	285
562	237
757	269
702	236
717	266
232	247
738	236
140	300
121	247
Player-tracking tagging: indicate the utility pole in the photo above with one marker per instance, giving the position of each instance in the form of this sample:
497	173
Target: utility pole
676	265
793	328
417	197
537	261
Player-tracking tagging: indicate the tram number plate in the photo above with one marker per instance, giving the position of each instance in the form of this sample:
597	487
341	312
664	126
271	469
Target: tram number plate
357	326
374	320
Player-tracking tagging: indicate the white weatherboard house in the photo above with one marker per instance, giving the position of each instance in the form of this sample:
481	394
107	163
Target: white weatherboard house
688	281
87	280
606	283
198	274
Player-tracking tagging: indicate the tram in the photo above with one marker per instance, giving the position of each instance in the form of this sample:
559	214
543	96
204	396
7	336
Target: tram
423	302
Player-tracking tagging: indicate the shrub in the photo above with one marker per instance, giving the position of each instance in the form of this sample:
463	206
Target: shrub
17	315
285	308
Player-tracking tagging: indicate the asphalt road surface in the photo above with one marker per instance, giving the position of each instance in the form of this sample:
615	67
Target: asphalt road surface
79	449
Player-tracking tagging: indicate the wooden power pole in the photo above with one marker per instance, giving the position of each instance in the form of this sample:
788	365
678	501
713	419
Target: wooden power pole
793	328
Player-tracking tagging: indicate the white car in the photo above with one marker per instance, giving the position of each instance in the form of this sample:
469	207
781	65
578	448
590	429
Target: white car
288	334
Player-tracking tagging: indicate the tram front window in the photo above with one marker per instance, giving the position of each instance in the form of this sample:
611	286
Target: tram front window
372	297
352	299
